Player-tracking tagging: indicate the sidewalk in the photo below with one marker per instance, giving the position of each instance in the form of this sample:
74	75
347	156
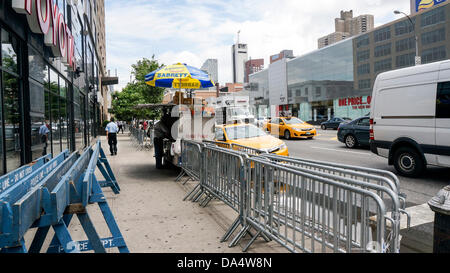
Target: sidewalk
152	215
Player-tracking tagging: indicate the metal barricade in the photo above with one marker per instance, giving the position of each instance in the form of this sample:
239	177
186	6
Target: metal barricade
191	158
191	164
330	207
149	139
217	143
248	150
140	140
376	184
310	213
351	171
222	177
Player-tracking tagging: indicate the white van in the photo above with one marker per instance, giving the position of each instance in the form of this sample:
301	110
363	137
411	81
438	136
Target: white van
410	117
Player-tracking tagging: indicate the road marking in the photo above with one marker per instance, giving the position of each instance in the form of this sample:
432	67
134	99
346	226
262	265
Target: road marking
336	150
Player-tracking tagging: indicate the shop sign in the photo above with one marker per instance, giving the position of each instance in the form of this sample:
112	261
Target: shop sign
44	17
356	102
426	4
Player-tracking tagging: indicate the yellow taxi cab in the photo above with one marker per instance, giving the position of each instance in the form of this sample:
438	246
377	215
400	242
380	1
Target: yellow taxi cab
249	135
290	127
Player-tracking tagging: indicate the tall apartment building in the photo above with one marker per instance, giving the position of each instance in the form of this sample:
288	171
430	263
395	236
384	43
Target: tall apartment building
55	76
239	55
347	26
211	67
253	66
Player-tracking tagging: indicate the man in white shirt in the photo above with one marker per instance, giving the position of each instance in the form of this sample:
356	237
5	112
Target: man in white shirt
111	134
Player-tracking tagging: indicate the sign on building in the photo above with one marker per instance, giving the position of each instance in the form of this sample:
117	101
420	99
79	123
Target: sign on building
426	4
44	17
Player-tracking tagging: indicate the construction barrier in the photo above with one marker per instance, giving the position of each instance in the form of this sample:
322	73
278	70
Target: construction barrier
49	197
305	205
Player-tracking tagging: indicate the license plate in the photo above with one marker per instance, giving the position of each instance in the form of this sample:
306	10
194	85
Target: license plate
308	134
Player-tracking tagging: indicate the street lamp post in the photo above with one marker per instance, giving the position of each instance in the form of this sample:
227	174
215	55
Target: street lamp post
418	60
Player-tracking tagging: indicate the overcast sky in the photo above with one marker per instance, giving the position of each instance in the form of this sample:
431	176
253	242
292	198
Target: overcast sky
191	31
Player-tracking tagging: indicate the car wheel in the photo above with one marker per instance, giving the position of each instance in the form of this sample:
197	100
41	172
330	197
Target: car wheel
324	127
350	141
287	135
408	162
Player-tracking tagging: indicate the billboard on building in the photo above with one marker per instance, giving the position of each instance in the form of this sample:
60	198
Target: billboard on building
426	4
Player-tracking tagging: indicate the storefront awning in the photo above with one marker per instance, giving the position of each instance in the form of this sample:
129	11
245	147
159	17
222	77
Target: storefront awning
110	81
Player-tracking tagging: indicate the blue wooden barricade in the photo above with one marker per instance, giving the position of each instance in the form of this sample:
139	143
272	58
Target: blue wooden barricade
50	195
84	189
13	177
17	214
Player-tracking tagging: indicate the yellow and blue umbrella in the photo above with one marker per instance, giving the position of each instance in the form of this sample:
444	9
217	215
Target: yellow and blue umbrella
179	76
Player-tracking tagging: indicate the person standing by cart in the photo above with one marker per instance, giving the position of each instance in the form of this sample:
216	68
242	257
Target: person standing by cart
161	132
111	134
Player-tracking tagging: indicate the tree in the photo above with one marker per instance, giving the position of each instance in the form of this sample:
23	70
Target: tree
138	92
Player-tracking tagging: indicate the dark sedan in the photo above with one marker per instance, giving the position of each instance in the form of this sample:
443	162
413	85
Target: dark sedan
333	123
355	133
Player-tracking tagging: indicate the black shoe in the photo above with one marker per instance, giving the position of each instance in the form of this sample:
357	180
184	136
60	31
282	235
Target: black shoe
112	154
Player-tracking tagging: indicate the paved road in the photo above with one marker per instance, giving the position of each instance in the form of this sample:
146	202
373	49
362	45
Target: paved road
326	147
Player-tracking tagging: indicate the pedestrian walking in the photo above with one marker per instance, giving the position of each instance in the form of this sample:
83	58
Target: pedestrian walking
120	124
43	132
111	134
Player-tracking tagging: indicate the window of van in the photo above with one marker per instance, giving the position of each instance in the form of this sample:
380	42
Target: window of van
443	100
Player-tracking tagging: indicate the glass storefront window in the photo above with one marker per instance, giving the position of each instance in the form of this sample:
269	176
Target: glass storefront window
10	48
48	120
56	125
64	115
38	119
37	67
2	170
10	132
12	121
91	122
83	118
77	119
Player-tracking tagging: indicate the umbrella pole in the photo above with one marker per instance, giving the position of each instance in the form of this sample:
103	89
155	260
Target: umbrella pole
179	94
